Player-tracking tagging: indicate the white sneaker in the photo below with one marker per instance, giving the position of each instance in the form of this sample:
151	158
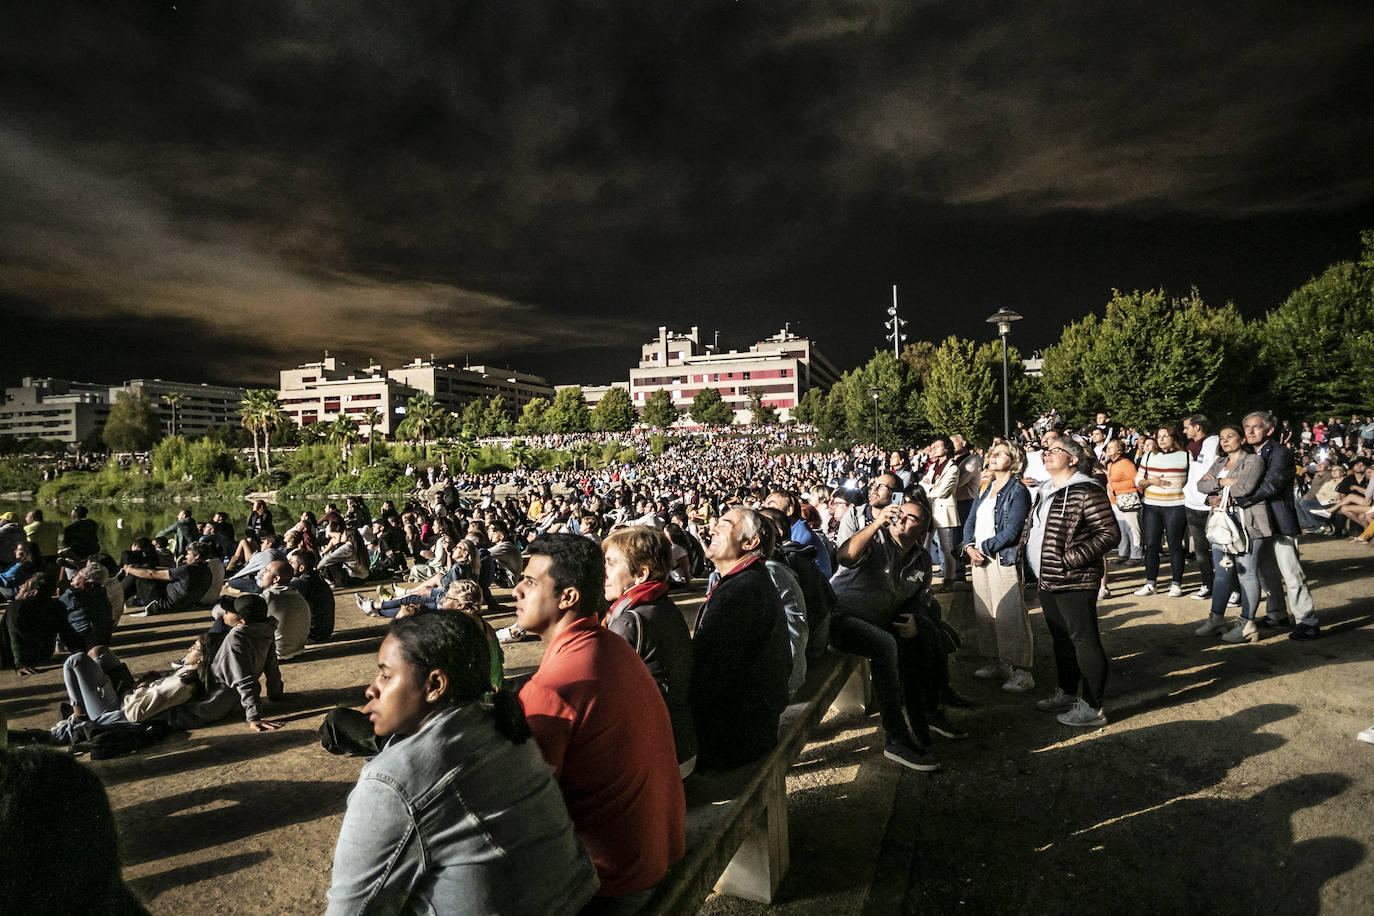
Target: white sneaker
1367	736
1175	591
1103	593
990	672
1019	682
1201	594
1147	589
1057	703
1213	626
1083	716
1233	600
367	606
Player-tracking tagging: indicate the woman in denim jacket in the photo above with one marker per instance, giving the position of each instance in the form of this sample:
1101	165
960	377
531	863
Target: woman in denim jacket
458	813
992	543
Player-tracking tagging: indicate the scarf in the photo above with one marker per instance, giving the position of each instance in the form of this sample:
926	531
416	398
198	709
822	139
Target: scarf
643	593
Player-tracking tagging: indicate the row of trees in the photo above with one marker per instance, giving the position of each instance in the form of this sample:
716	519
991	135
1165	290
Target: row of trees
1151	357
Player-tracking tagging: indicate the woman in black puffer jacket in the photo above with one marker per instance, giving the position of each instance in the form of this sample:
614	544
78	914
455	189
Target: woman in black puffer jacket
1072	528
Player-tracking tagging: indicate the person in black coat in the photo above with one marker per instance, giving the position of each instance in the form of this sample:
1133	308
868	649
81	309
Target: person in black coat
742	657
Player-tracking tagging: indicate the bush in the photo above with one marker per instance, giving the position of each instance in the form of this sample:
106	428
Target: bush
381	480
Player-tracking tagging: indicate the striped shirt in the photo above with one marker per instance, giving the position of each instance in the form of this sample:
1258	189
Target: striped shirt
1173	468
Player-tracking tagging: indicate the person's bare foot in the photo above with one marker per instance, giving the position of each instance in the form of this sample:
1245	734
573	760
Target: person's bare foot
26	671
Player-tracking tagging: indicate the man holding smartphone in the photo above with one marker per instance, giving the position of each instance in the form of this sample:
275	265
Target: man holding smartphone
884	576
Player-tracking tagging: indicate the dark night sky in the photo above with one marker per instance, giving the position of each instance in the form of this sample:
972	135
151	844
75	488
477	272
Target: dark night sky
212	191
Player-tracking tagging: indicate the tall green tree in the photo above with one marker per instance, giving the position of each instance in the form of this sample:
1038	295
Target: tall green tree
569	413
470	422
615	412
496	418
710	409
1153	359
809	407
960	393
133	424
173	400
1064	385
761	414
659	411
343	432
533	420
1317	348
900	416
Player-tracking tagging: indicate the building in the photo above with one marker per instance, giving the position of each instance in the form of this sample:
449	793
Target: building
58	409
456	387
782	368
199	407
320	391
70	411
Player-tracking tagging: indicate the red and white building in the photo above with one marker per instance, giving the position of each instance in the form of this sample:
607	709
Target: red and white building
782	368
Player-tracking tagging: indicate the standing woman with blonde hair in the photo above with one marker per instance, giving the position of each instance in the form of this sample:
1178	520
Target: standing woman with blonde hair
1162	474
992	543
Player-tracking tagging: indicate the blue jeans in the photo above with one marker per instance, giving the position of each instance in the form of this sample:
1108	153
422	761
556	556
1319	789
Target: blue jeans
896	675
248	584
1246	574
390	606
1155	522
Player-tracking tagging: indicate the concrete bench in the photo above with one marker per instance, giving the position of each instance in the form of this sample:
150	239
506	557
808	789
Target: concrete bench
737	839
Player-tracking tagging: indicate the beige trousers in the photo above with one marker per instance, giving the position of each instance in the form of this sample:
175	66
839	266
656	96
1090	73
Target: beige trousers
1000	614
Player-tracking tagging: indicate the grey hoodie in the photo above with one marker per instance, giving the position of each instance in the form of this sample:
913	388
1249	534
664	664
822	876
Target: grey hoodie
1044	495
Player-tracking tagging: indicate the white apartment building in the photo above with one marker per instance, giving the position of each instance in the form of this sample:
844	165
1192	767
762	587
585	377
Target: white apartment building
456	386
320	391
70	411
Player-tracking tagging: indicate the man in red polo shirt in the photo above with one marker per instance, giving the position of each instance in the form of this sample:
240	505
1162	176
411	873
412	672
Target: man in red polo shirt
601	723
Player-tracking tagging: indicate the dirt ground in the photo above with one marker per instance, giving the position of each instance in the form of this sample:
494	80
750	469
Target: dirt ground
1229	779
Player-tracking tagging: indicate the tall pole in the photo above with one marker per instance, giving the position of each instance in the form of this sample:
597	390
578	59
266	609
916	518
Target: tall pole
896	328
874	392
1006	399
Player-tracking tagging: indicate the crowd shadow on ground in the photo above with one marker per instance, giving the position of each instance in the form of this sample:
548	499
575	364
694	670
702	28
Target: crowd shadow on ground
220	814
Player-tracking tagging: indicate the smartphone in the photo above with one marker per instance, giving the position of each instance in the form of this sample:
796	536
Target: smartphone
897	499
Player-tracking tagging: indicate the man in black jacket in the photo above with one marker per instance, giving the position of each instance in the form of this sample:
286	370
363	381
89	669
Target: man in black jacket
742	654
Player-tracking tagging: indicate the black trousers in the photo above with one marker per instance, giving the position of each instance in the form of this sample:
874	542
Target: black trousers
1197	529
1078	654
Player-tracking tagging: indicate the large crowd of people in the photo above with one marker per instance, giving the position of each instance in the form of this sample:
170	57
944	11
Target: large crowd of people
579	773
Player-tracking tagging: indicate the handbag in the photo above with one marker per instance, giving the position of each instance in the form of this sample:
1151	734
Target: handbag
1128	501
1224	530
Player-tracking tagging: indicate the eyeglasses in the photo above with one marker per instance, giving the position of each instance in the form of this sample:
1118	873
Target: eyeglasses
1051	451
879	485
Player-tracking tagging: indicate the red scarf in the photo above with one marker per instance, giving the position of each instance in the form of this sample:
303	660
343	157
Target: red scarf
635	595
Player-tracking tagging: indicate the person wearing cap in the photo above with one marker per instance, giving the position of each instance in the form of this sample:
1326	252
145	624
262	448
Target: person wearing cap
11	535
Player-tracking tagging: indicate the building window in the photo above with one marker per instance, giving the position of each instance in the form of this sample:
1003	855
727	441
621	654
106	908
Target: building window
746	376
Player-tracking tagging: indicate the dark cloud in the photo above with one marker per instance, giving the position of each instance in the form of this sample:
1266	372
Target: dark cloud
548	182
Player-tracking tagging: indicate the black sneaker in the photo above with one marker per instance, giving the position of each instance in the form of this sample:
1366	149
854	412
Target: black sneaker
913	758
940	724
1271	623
1305	631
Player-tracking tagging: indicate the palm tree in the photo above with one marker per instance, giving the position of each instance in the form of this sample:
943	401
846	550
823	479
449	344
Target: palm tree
273	417
372	417
423	414
343	432
464	450
250	417
519	452
172	399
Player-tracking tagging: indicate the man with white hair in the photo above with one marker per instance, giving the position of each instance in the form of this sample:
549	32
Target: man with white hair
742	656
1279	555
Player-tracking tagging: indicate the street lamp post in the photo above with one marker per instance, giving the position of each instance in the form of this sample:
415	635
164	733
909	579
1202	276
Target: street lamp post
874	391
1003	318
